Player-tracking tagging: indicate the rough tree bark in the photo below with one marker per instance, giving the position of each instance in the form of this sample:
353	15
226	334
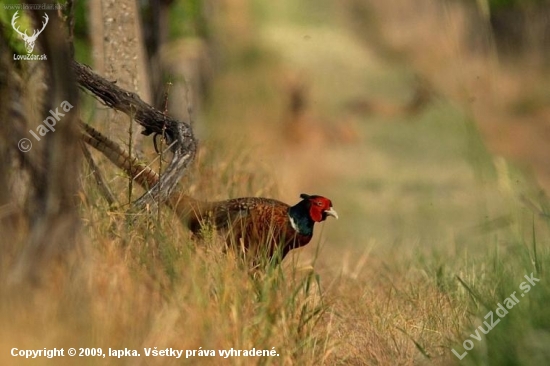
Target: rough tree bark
53	166
119	54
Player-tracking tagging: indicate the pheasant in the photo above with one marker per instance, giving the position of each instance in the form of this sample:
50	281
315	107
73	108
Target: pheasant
260	226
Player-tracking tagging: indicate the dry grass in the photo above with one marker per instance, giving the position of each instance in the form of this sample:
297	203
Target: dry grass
421	201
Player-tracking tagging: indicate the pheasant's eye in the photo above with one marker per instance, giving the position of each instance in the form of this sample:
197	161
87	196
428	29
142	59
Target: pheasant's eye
319	203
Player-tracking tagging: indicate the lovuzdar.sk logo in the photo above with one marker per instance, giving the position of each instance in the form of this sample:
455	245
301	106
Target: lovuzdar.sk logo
29	40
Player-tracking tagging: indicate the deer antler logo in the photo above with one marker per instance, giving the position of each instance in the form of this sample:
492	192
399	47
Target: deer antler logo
29	40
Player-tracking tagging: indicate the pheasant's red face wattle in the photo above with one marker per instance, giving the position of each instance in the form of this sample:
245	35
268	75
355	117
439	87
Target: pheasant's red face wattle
320	208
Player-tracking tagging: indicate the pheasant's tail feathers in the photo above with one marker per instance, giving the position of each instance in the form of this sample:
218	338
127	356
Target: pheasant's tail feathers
138	171
185	206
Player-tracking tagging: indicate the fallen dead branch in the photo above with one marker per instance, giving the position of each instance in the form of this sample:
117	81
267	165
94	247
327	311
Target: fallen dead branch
178	134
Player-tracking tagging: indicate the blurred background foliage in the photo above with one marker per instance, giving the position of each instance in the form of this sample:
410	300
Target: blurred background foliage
426	122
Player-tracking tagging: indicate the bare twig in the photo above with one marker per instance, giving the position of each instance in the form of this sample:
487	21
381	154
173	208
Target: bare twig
160	151
100	182
141	173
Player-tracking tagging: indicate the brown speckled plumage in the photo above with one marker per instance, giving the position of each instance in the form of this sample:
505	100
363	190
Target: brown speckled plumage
260	225
257	224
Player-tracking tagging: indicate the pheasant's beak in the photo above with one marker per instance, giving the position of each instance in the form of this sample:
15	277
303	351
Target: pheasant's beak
331	212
